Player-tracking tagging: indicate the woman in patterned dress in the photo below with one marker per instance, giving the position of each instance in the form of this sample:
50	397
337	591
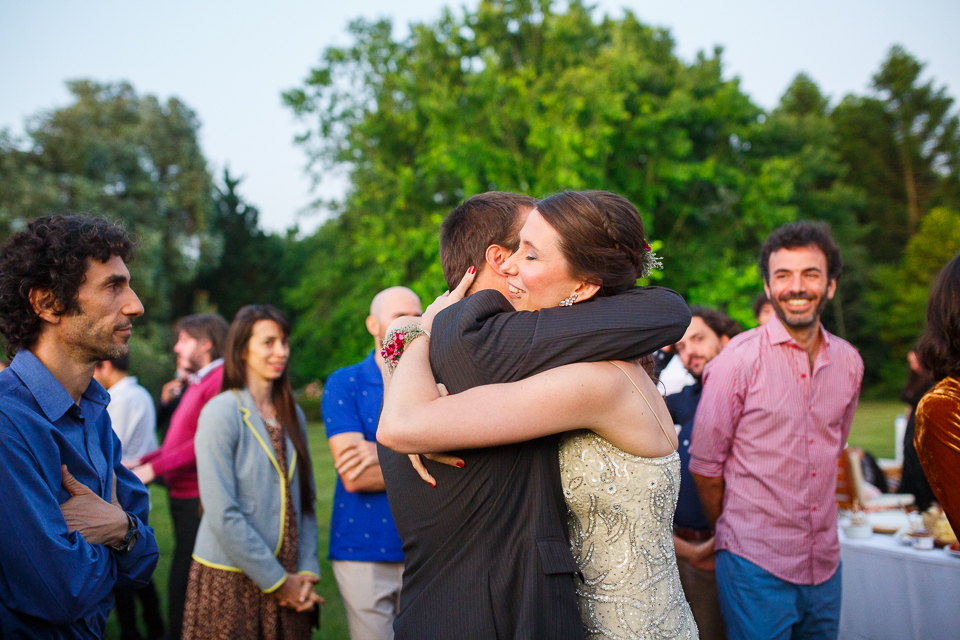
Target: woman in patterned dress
255	559
619	467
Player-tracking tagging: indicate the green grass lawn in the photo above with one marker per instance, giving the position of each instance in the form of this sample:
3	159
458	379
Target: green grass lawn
872	430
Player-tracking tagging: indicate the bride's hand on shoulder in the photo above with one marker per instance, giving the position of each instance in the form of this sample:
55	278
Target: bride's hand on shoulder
447	299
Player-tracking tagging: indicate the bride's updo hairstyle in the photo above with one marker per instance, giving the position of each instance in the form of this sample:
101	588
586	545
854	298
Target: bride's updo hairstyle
601	237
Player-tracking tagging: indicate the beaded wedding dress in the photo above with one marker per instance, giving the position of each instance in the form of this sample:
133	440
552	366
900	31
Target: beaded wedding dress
620	513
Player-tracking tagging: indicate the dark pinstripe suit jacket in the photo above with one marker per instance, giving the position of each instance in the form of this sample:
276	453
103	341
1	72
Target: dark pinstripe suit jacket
486	550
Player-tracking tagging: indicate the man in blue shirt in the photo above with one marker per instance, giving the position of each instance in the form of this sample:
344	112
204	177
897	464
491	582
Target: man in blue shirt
364	543
708	333
74	521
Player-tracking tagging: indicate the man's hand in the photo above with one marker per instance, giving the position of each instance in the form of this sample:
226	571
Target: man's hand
357	458
98	521
297	593
171	390
145	473
704	557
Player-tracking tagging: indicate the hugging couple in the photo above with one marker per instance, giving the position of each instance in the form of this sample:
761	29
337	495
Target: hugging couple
550	513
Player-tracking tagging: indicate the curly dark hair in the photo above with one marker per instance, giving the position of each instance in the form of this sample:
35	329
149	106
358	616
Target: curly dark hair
51	253
802	234
939	346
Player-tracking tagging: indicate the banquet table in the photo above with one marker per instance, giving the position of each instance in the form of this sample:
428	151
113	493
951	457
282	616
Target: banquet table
892	591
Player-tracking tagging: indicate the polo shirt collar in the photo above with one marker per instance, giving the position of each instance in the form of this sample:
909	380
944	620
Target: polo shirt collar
197	378
49	393
370	371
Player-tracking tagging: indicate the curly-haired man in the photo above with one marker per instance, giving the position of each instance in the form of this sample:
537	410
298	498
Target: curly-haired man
75	519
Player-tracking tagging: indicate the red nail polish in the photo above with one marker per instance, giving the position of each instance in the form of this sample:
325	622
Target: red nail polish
433	484
460	463
472	270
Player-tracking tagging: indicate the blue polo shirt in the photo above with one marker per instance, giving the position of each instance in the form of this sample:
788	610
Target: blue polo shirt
361	527
683	408
53	583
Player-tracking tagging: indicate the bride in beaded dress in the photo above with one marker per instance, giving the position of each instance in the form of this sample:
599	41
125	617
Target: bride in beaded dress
619	467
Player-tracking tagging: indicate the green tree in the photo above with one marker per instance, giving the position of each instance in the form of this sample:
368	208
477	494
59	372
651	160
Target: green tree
898	299
254	267
515	96
902	145
129	158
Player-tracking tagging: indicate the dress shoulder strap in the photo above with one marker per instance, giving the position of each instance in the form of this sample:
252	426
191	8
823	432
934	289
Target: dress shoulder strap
652	410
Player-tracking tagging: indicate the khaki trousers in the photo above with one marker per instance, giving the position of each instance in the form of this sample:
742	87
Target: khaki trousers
700	588
371	596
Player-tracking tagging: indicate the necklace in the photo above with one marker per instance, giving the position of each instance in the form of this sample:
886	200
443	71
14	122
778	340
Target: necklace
271	421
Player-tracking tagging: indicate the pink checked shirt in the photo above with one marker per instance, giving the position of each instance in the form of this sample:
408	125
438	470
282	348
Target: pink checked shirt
775	433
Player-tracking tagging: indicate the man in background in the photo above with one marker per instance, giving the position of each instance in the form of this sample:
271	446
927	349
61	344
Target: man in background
200	340
774	417
762	309
134	420
708	333
364	543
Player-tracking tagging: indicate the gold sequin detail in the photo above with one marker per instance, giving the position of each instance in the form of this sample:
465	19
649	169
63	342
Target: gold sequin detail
620	511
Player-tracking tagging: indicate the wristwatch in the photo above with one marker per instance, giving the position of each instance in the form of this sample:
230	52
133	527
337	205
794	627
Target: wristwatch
130	539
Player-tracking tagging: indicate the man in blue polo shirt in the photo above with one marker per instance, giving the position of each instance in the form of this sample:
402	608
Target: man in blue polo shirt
708	333
74	519
364	543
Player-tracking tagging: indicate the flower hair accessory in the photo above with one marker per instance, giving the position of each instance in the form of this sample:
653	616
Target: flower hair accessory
649	262
396	341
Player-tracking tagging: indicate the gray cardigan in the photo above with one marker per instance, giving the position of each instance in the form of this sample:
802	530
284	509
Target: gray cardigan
243	493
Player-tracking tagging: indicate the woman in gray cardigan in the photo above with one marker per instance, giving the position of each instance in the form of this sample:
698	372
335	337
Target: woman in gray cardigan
255	560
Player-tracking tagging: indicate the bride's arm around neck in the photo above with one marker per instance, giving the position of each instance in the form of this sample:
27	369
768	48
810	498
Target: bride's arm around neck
416	418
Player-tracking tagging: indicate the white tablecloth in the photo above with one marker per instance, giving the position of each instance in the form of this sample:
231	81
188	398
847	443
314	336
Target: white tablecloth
891	591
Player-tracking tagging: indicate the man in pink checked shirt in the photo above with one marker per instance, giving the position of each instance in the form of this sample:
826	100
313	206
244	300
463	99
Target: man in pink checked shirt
774	416
200	341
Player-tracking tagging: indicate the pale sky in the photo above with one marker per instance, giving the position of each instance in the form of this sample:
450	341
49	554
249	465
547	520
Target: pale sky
229	61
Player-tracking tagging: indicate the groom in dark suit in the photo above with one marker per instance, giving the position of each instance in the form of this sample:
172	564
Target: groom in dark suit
487	553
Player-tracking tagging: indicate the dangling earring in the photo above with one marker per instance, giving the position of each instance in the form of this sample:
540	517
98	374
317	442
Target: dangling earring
568	302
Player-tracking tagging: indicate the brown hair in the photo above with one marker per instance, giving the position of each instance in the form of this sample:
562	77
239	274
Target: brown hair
718	322
802	234
482	220
601	237
235	377
206	326
939	346
602	241
759	302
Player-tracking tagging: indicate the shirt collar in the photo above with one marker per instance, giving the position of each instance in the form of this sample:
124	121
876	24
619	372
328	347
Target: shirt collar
370	370
778	333
196	378
122	383
49	393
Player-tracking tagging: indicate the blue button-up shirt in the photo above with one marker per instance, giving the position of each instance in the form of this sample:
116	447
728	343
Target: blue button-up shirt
683	409
53	583
361	527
